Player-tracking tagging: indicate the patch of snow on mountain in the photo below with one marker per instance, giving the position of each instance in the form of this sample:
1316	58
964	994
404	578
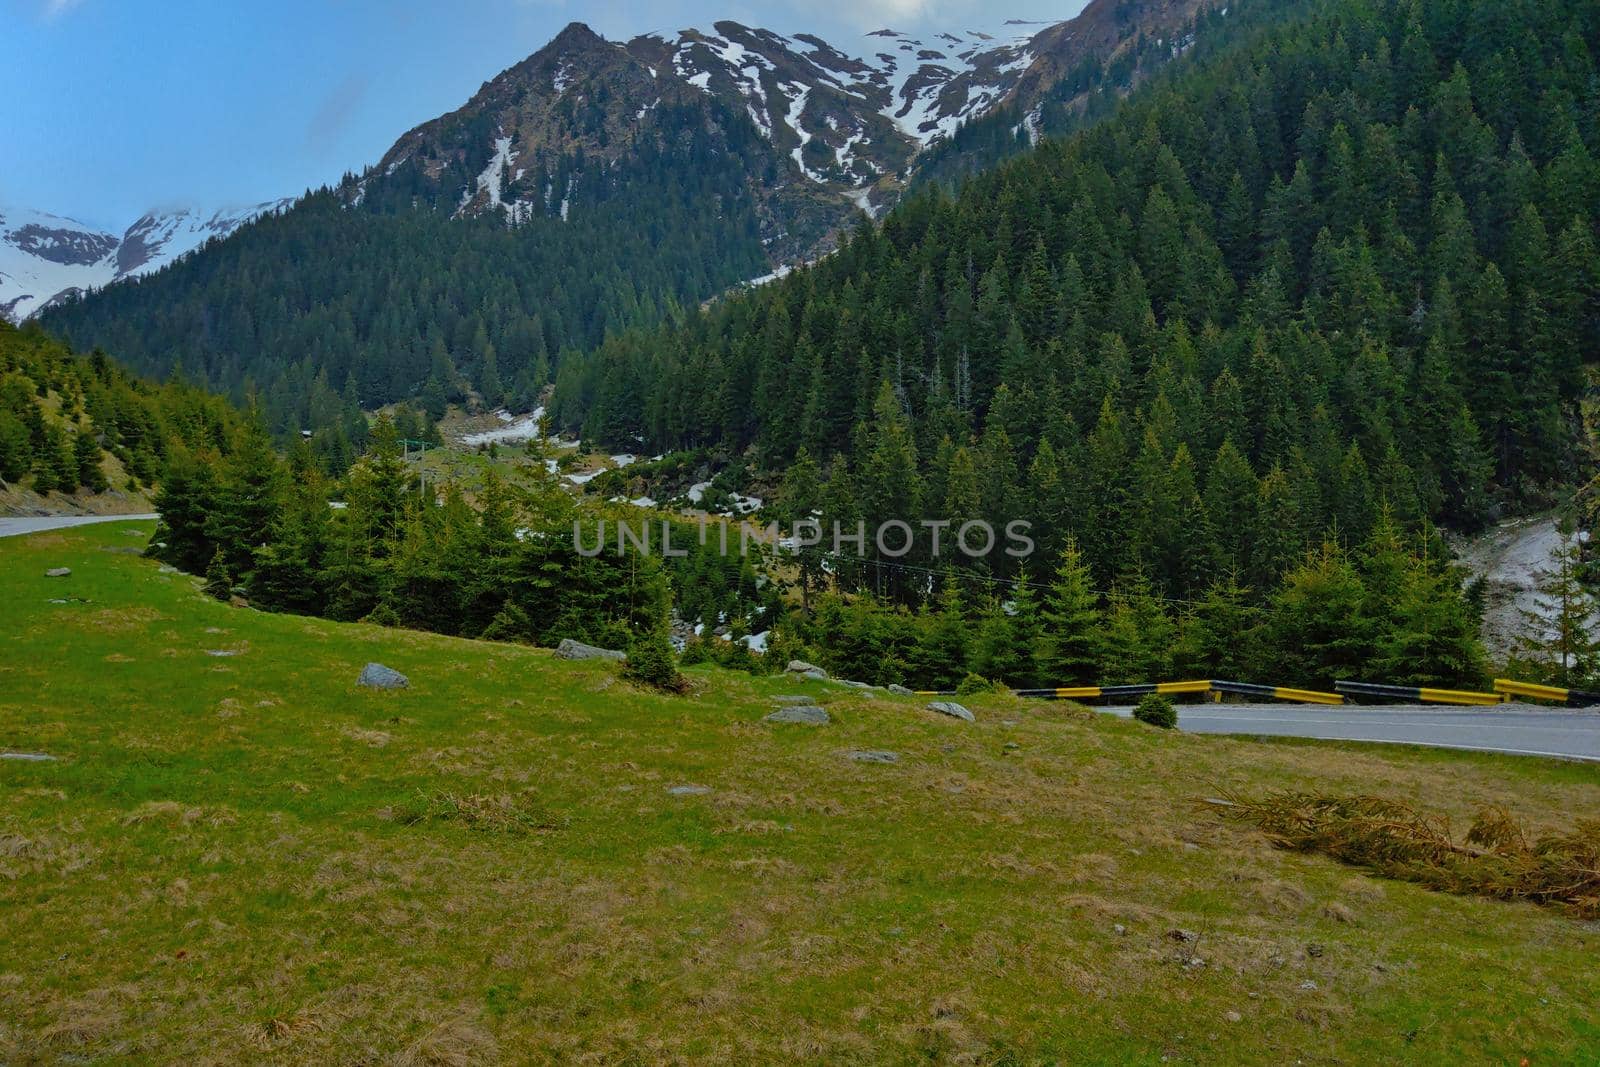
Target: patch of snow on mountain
490	181
796	110
43	257
514	430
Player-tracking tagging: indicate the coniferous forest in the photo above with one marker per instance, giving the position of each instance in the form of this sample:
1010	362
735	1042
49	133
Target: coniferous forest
61	416
1348	268
377	296
1238	353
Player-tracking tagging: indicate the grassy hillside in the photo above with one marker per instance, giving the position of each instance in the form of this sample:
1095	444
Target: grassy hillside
246	857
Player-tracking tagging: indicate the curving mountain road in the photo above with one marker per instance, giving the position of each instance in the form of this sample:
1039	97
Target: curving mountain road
29	524
1519	729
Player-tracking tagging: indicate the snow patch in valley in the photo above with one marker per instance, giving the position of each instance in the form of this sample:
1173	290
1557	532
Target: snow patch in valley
512	431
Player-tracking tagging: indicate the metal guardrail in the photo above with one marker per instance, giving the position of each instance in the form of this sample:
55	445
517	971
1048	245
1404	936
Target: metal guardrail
1419	694
1505	690
1576	698
1202	687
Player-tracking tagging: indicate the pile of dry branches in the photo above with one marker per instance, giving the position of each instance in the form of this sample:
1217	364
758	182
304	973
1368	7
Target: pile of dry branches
1497	859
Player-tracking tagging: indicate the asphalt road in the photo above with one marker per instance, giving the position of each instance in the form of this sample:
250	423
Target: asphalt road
40	523
1521	729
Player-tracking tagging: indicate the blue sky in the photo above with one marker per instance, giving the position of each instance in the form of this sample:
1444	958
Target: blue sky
111	107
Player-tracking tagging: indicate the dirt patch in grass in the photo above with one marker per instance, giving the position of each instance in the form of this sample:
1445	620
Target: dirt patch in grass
125	620
371	738
502	813
172	814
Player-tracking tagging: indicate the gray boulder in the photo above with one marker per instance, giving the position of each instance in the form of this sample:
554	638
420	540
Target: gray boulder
857	685
570	649
58	572
809	670
377	676
952	709
901	691
872	756
813	716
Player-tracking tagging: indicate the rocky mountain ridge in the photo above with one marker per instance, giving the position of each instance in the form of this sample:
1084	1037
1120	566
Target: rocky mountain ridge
47	258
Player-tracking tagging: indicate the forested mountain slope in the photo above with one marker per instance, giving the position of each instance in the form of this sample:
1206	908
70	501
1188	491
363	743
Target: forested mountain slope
1347	266
592	188
80	424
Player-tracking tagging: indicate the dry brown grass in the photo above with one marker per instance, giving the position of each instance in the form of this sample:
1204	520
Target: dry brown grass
171	813
461	1041
501	813
1498	858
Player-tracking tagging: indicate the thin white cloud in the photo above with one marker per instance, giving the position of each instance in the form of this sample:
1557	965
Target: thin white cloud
54	9
900	13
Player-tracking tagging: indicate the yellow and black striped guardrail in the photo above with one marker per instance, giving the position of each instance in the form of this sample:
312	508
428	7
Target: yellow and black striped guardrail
1203	687
1410	694
1576	698
1505	690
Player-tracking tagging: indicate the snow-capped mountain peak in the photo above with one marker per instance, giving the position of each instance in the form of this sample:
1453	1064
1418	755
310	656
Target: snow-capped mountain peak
45	258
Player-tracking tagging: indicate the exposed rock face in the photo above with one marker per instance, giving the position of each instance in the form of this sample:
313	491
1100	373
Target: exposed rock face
377	676
952	709
811	716
570	649
824	130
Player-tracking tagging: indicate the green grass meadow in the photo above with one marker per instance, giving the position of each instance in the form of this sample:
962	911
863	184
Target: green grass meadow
246	858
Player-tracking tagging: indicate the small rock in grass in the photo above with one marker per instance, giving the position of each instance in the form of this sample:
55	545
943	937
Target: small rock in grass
58	572
222	652
1118	929
800	666
1183	936
952	709
811	715
377	676
689	790
1309	986
28	757
1011	746
873	756
1314	950
901	691
570	649
794	701
1233	1017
